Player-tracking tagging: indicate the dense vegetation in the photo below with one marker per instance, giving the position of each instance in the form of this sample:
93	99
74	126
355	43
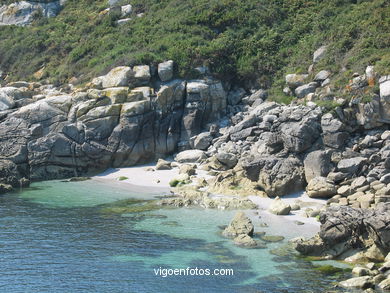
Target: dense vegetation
255	42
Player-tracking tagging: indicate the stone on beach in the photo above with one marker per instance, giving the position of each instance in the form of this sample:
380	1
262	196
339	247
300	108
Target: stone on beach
190	156
163	165
320	187
358	283
278	207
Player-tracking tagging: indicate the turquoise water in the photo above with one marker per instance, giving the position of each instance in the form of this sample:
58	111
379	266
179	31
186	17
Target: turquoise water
74	237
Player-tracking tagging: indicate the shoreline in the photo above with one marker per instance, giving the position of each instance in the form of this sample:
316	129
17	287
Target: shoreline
142	179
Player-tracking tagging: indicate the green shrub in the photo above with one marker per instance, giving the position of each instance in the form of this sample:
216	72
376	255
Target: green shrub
328	269
250	42
178	183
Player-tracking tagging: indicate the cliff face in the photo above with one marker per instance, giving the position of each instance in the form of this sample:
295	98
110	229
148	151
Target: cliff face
23	13
120	121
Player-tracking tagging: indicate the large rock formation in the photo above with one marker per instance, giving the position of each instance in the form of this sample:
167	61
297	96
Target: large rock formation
346	229
136	114
277	176
118	121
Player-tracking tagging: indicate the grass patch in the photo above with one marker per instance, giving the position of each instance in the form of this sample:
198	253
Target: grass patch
178	183
327	105
235	187
122	178
331	270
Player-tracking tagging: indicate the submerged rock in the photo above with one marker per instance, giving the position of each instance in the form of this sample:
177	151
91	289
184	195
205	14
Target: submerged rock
240	224
247	241
272	238
78	179
4	188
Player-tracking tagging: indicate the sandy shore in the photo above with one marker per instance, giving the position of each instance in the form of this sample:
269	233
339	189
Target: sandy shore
143	179
139	176
306	202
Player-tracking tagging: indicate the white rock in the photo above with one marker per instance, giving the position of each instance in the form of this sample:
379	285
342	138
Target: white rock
165	70
142	72
385	284
385	135
384	87
296	80
319	54
22	12
190	156
6	102
123	21
118	76
269	118
135	108
322	75
360	271
126	10
305	89
8	95
278	207
359	282
370	72
320	187
325	82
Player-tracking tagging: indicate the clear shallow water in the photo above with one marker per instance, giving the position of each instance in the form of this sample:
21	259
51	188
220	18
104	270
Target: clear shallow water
59	237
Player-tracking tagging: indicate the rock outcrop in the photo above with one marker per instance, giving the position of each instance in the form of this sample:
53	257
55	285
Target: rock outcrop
240	224
118	120
345	229
24	12
249	145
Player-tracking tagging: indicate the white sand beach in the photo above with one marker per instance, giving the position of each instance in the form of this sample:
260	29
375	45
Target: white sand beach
138	175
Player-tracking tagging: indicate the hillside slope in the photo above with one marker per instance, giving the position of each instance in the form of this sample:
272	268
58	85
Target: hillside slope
253	42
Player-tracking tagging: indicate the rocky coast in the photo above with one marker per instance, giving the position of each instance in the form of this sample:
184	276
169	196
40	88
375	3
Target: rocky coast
226	140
